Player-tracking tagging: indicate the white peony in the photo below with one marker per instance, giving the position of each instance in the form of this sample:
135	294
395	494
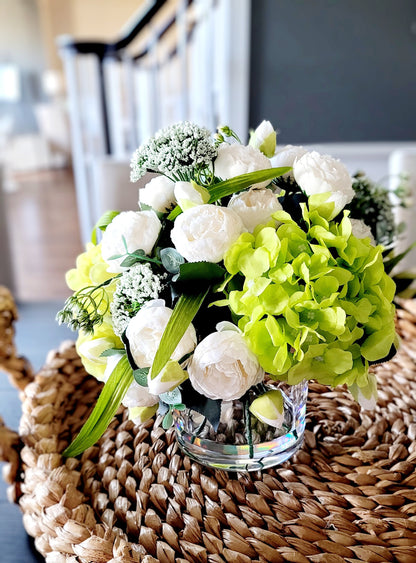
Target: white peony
361	230
320	173
158	193
223	367
139	396
254	207
286	156
205	233
233	160
145	330
140	230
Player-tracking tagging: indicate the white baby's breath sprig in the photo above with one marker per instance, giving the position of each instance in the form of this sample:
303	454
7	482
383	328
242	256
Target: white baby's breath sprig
134	288
179	151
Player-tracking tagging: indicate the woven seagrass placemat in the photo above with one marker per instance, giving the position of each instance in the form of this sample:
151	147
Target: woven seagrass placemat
348	495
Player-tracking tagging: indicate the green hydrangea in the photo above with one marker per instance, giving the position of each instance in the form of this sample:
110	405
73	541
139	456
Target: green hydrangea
316	302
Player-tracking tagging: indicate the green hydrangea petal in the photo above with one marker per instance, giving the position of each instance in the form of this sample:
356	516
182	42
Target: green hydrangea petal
320	204
378	344
337	360
281	274
361	310
255	263
274	299
326	285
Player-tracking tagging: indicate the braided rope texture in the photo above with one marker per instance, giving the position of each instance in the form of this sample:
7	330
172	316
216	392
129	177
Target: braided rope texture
17	367
347	495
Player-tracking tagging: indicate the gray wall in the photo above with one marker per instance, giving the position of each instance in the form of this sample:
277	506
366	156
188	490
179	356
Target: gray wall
334	70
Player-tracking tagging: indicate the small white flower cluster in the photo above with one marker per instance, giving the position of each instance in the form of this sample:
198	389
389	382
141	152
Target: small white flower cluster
135	287
176	151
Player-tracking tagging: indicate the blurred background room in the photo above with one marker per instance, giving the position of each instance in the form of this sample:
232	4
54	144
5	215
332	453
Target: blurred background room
84	82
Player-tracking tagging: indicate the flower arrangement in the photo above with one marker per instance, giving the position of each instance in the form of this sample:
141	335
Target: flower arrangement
242	265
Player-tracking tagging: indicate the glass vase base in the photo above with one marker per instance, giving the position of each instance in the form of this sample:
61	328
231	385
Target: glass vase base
239	458
233	445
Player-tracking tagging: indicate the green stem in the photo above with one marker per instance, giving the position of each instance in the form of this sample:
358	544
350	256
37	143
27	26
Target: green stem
199	429
247	422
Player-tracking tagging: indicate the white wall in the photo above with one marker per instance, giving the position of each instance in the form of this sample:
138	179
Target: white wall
20	36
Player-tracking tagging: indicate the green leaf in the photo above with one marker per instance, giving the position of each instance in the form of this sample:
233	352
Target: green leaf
167	421
392	263
112	352
103	223
403	281
145	207
173	397
137	256
236	184
185	310
173	214
171	260
140	376
130	261
104	410
206	271
116	256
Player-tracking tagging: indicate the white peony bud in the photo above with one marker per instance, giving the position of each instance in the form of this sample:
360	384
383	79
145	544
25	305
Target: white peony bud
139	229
205	233
158	193
169	378
140	415
189	194
320	173
139	396
269	408
361	230
366	396
286	156
254	207
145	330
233	160
223	367
264	138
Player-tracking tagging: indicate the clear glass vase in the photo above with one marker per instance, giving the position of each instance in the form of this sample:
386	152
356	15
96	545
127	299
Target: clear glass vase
232	447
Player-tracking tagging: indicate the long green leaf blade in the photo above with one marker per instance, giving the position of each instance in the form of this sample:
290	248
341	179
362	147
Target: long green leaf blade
104	410
389	265
238	183
185	310
229	187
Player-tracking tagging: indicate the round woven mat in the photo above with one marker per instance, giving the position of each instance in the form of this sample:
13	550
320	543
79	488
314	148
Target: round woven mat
348	495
